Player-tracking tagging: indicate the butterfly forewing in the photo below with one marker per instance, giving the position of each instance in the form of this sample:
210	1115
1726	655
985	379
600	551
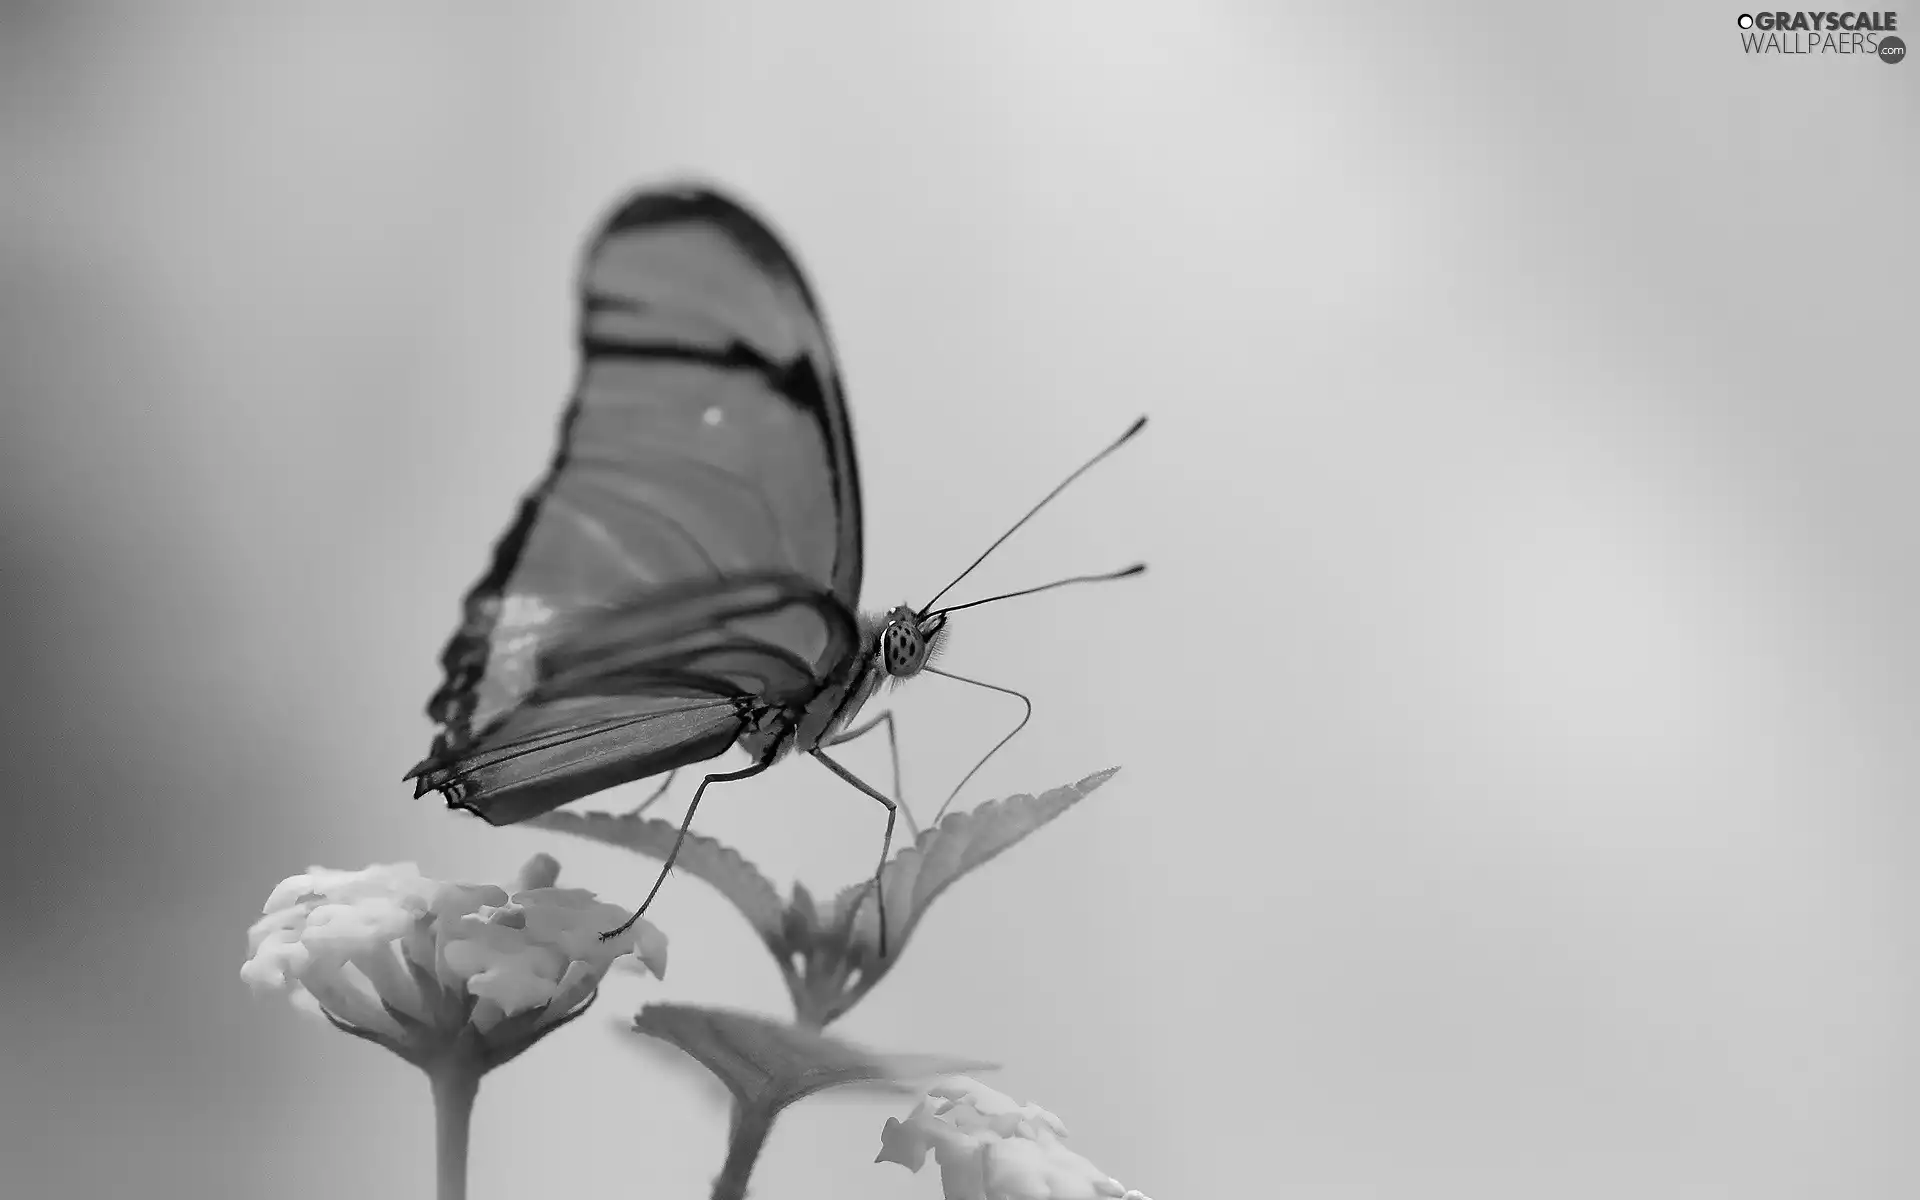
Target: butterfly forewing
692	555
709	399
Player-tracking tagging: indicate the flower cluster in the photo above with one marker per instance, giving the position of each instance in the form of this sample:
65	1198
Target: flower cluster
990	1148
416	964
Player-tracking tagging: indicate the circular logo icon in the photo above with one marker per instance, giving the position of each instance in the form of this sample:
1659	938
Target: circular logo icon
1892	49
1746	20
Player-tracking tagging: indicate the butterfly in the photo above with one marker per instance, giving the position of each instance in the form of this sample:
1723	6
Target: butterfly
685	577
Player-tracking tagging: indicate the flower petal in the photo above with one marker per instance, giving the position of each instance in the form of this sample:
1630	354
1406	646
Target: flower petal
991	1148
306	1002
540	871
281	921
502	964
1019	1169
391	980
276	962
346	887
486	1013
903	1142
962	1169
575	986
650	947
446	900
341	931
350	1001
572	920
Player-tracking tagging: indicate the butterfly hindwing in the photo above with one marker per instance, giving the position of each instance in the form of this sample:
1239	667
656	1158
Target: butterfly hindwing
693	552
542	755
612	696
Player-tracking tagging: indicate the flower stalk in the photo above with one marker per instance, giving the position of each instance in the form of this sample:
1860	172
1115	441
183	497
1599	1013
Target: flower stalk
751	1124
456	1081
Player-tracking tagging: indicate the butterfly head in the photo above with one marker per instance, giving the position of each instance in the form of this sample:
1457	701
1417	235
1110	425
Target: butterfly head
908	640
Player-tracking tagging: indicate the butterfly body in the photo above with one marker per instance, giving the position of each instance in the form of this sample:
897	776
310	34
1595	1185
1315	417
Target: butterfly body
801	728
778	731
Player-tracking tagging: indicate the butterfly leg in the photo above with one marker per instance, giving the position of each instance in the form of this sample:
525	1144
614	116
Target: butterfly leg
893	751
667	867
658	792
886	843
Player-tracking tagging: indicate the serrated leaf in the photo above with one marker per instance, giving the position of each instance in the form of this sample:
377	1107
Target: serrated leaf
769	1064
700	856
800	917
941	855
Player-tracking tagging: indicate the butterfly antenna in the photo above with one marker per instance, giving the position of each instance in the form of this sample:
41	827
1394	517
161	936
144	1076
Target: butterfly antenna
1122	573
1020	696
1118	442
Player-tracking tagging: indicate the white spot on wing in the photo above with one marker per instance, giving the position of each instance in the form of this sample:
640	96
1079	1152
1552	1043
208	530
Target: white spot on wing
713	415
516	642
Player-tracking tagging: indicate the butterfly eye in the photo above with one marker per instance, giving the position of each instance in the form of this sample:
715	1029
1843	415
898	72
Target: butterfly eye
901	650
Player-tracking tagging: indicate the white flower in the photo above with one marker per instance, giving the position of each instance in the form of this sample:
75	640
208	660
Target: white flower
419	965
990	1148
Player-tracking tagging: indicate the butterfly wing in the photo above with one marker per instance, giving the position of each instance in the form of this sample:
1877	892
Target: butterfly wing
604	697
693	552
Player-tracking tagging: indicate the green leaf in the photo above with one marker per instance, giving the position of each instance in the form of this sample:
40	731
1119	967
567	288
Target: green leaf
828	953
769	1064
700	856
941	855
800	918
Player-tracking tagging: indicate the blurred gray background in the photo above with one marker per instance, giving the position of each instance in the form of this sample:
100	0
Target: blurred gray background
1519	719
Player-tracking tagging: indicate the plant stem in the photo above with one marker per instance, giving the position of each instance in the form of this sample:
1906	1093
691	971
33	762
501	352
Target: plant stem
747	1137
456	1081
